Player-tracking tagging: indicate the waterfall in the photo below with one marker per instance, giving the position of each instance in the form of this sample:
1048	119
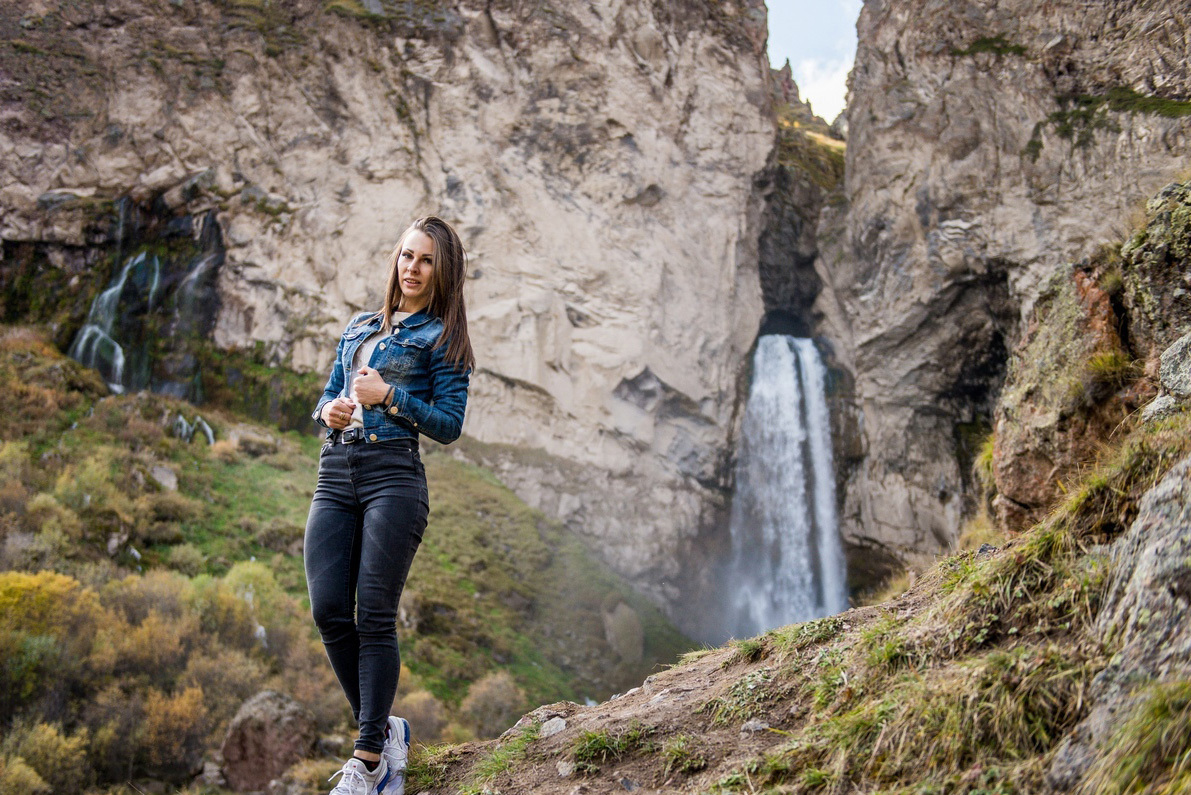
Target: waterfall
787	560
94	345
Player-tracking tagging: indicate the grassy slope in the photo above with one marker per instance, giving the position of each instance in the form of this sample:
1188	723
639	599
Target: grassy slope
964	684
495	586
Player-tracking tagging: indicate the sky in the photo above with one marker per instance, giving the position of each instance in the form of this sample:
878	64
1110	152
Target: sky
819	38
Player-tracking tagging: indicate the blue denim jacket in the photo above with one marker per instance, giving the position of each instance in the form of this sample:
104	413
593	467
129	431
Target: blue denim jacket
430	395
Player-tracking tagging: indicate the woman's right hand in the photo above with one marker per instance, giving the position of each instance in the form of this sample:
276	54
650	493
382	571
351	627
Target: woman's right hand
338	413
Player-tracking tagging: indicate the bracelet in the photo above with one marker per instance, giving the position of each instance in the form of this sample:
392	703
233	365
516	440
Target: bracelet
390	395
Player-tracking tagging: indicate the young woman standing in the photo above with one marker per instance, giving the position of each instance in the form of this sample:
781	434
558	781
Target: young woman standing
398	372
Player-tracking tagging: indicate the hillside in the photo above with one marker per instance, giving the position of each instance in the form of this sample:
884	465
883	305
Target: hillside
151	583
1057	658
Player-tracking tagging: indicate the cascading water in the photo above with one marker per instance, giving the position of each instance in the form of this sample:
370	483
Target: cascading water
138	329
787	560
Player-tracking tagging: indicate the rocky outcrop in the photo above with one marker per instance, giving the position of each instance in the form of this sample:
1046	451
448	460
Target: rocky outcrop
269	733
598	160
1143	621
989	145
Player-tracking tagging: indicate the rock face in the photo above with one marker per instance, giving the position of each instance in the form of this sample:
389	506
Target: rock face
270	732
598	161
1143	621
990	144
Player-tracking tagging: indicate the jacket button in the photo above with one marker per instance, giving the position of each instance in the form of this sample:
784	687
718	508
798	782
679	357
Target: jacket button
393	410
366	406
381	346
372	437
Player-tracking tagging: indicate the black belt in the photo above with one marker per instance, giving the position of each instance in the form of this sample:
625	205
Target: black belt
352	435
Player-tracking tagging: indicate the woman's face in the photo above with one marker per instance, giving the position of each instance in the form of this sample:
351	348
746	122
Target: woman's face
415	270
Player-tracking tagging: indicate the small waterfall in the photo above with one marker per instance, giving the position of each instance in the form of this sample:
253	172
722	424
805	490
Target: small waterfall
94	345
142	329
787	560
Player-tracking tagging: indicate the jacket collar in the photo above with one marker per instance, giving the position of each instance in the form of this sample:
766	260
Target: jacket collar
418	318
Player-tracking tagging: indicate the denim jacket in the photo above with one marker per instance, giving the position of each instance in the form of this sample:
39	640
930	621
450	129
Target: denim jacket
430	394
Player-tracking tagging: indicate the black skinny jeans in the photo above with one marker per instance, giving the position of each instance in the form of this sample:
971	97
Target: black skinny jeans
366	521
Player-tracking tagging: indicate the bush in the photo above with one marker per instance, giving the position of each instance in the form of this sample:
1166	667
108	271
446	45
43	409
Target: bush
425	715
187	559
228	678
493	704
60	761
17	778
172	733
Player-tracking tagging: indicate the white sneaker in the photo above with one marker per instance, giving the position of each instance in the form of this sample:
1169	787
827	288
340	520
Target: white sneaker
396	754
356	780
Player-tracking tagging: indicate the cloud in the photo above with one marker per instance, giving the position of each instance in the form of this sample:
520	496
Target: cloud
824	83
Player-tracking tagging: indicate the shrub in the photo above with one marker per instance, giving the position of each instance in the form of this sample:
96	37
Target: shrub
60	761
172	733
228	678
188	559
17	778
493	704
43	512
425	715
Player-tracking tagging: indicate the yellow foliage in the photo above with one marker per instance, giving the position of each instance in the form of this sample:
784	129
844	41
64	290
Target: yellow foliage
173	728
59	760
425	714
46	514
45	603
158	646
221	612
17	778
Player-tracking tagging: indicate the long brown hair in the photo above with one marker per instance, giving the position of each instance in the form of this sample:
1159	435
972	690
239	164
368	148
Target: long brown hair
446	288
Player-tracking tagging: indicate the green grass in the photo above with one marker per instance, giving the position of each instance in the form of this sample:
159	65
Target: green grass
502	758
745	699
1151	746
682	755
592	749
996	45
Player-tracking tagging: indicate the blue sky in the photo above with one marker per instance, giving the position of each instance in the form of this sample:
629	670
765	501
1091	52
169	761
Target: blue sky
819	38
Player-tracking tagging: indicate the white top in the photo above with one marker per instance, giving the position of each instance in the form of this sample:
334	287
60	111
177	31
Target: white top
363	356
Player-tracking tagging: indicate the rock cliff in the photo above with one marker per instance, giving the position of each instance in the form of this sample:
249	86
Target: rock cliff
990	145
599	161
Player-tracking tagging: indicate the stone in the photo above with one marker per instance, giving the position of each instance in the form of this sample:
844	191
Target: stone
1175	367
1143	617
552	727
269	733
1159	407
566	768
164	477
753	725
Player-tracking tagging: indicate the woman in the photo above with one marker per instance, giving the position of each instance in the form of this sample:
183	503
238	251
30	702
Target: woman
398	372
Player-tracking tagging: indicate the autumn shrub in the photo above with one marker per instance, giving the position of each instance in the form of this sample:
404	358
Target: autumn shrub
58	759
172	733
172	506
136	596
222	613
425	714
44	513
493	703
228	678
187	559
18	778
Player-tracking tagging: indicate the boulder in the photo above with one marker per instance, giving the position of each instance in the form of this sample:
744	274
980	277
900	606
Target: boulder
269	733
1175	367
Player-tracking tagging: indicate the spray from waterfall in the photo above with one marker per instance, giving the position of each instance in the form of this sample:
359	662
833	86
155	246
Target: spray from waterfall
787	560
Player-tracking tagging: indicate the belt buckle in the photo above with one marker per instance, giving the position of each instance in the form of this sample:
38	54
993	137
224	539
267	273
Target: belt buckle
351	435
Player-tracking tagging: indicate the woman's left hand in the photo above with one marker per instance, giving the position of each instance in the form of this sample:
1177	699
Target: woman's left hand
369	387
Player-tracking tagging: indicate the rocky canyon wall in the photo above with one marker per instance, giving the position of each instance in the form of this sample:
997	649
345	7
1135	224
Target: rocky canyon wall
991	144
598	159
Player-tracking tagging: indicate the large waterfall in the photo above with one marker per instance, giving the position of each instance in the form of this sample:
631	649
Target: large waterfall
787	561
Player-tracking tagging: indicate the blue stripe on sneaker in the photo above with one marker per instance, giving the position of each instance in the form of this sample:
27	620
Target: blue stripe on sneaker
384	782
405	723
